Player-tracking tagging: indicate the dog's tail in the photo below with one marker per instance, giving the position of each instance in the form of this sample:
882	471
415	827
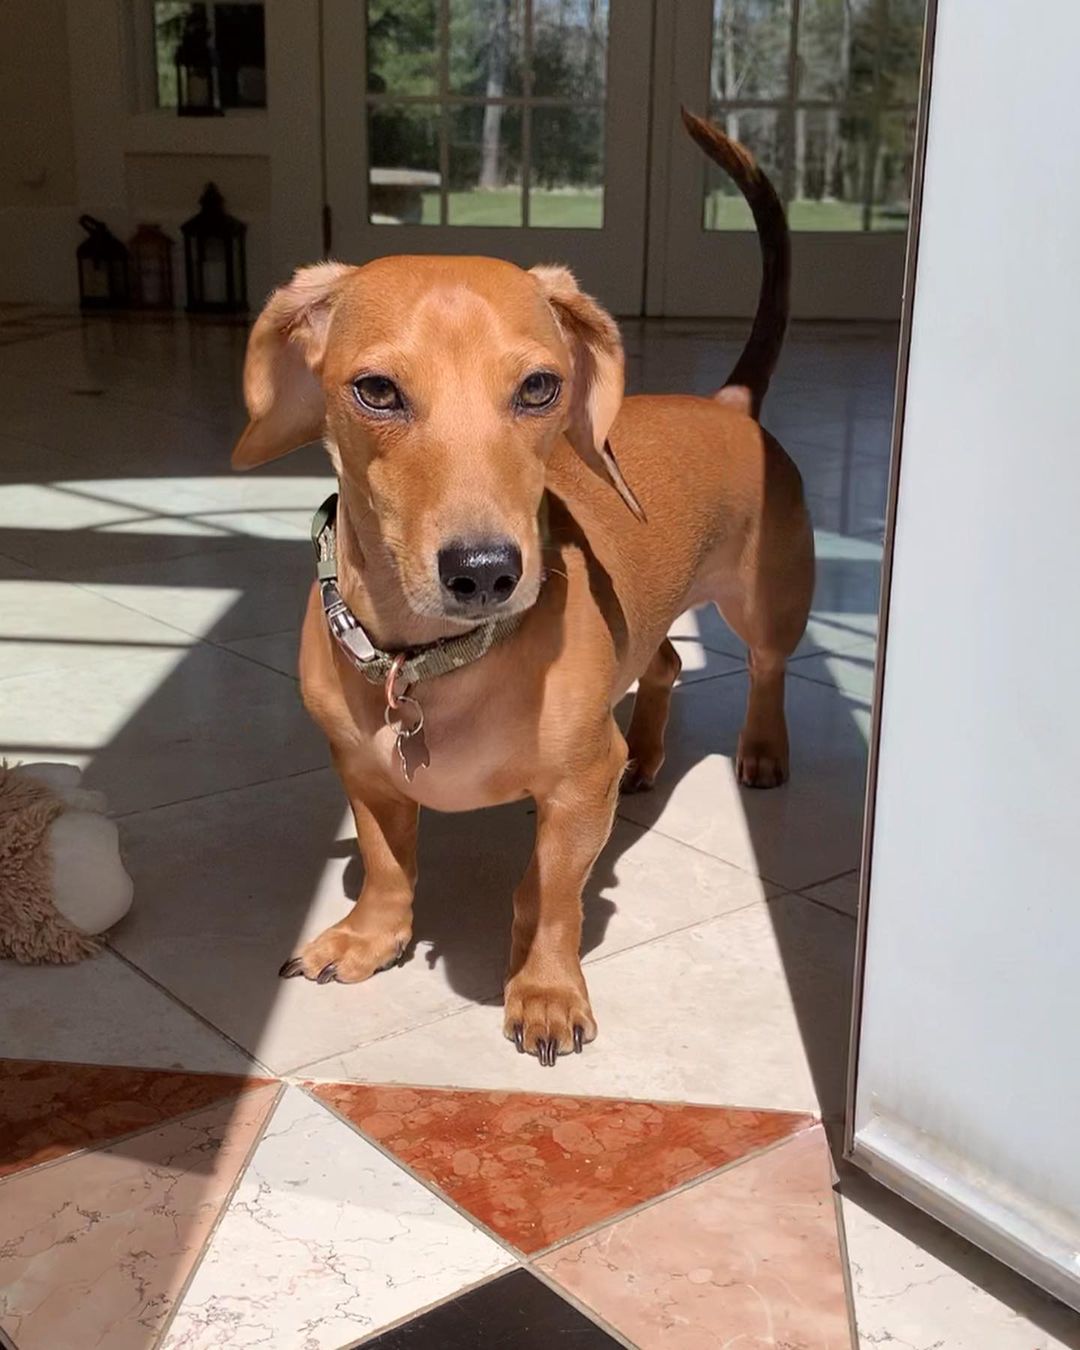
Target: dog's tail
746	385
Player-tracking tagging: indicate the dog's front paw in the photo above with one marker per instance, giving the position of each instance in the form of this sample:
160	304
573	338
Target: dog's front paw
761	765
548	1019
346	956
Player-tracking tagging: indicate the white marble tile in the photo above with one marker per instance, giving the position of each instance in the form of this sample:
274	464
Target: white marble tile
841	894
851	671
160	725
223	594
918	1286
751	1009
231	885
52	624
279	651
325	1241
100	1011
796	835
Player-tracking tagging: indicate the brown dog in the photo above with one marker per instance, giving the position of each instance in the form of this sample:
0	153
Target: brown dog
474	415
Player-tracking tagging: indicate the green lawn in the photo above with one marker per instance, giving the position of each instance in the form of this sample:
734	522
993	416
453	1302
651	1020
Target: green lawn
583	210
557	210
731	213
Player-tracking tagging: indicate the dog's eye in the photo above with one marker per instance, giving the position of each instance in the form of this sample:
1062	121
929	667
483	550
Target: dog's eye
377	393
539	389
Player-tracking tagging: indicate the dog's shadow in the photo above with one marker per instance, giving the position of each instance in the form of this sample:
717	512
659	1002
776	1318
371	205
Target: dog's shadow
470	865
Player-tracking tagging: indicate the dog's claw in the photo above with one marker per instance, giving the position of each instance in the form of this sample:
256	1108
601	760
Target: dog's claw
396	960
579	1039
519	1037
328	973
293	966
549	1052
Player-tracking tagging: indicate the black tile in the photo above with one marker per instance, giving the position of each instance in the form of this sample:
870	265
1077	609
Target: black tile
514	1312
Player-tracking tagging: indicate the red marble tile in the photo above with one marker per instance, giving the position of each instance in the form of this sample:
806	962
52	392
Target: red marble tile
536	1169
49	1109
749	1258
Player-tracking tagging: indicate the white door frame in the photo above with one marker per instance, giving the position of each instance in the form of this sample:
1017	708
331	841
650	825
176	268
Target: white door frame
609	261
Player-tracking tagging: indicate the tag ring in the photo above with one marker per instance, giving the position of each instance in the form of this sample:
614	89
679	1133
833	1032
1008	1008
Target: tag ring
393	698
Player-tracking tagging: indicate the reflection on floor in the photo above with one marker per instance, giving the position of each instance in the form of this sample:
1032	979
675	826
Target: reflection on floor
197	1154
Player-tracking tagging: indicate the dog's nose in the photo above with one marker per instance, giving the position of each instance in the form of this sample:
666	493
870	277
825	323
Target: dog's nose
485	573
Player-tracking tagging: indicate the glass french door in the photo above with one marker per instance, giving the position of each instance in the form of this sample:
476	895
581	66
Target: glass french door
824	92
517	128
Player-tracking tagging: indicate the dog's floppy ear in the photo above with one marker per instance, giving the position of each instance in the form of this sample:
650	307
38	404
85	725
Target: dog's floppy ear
285	349
596	387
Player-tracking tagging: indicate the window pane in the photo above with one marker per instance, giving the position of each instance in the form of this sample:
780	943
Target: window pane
486	47
402	46
830	164
751	45
892	176
759	130
403	151
485	166
837	39
239	37
169	21
569	52
844	44
901	57
566	186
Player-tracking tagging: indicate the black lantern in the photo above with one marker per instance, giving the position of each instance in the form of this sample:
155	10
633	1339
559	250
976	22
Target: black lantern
151	267
214	260
197	90
103	267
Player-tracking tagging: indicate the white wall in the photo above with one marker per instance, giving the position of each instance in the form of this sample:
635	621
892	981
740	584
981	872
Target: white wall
968	1085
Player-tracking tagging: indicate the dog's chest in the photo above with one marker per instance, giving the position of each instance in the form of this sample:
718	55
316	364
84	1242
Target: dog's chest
463	757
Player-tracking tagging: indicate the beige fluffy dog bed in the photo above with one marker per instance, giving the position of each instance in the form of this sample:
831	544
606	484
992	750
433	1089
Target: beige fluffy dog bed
62	880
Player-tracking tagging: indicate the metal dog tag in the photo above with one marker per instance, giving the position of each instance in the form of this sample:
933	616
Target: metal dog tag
410	743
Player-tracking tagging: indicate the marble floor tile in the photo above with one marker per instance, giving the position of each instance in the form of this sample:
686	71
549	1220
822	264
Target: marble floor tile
751	1007
796	835
325	1241
161	725
537	1169
851	671
94	1250
513	1312
53	625
229	886
279	651
842	893
223	595
49	1109
748	1258
917	1285
100	1011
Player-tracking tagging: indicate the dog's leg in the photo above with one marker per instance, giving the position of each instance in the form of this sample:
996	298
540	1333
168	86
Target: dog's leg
376	931
547	1010
769	613
652	702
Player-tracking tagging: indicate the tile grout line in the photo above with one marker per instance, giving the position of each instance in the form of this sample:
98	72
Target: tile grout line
222	792
369	1336
428	1186
112	1141
250	1056
845	1261
584	1308
812	1122
521	1260
495	1000
223	1209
